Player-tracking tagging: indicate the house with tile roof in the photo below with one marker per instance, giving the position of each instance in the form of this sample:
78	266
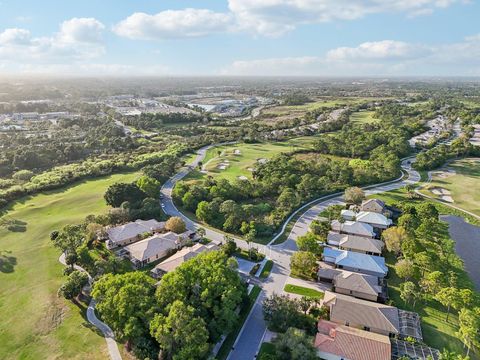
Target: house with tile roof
376	220
155	247
358	285
131	232
180	257
356	262
338	342
374	205
355	243
362	314
353	228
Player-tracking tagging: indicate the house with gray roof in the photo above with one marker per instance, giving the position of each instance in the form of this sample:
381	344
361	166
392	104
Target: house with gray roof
131	232
376	220
374	205
356	262
357	285
353	228
355	243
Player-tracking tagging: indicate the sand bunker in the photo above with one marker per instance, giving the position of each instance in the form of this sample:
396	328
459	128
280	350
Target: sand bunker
243	178
443	174
237	152
444	194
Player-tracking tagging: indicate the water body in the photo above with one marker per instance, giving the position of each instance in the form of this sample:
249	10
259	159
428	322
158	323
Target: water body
467	245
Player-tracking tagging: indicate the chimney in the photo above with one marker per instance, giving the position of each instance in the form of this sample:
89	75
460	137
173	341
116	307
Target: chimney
333	333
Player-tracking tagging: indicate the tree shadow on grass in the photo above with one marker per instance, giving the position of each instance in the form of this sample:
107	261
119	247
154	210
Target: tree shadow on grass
7	262
13	225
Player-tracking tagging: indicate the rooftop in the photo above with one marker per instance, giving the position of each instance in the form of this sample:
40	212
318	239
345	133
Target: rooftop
350	343
366	284
153	245
357	260
127	231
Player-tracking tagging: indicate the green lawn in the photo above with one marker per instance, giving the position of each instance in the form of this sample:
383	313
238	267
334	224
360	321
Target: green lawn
363	117
464	186
230	339
242	163
35	323
300	290
267	351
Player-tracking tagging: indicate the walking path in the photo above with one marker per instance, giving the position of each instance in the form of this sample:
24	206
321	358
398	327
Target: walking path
249	339
92	318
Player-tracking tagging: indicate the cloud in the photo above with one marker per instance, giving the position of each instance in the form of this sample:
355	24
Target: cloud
77	39
82	30
378	50
264	17
171	24
275	17
93	69
376	58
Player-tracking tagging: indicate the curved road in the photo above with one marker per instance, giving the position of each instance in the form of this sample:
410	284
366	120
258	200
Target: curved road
250	337
92	318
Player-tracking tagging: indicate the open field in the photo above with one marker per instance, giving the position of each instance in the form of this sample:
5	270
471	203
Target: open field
362	117
35	323
285	112
461	180
233	161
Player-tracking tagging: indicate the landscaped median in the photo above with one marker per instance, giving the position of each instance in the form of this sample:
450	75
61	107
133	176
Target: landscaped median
266	269
230	339
303	291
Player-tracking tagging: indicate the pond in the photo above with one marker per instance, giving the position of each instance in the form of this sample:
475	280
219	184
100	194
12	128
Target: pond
467	245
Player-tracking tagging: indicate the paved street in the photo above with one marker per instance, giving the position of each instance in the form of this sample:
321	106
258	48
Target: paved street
250	338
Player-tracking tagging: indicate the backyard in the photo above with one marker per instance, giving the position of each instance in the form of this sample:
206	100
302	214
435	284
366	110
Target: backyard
37	324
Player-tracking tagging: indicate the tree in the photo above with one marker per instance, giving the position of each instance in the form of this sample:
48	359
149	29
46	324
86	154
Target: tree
433	282
74	285
448	298
408	221
120	192
405	269
294	344
23	175
394	237
230	247
303	263
281	312
309	242
181	334
126	303
320	228
409	292
354	195
176	225
71	258
69	238
450	355
149	186
427	210
209	285
469	323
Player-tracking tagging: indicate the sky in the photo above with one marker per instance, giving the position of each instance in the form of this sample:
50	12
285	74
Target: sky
240	37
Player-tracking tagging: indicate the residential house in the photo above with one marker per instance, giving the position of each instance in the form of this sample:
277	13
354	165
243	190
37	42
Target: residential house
371	316
373	205
378	221
362	314
339	342
155	247
357	285
180	257
355	243
353	228
348	214
356	262
131	232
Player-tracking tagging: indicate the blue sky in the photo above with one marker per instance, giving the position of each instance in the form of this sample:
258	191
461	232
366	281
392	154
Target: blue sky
240	37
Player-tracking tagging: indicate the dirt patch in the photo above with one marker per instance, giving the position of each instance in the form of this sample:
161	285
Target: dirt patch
442	193
53	316
443	174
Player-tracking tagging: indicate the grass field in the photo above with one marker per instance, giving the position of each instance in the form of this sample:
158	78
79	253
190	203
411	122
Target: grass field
303	291
363	117
35	323
464	186
267	351
242	162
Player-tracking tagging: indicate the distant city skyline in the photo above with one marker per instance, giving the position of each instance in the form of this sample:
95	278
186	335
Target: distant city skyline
240	37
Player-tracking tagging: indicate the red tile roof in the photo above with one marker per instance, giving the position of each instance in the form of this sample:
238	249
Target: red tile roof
351	343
